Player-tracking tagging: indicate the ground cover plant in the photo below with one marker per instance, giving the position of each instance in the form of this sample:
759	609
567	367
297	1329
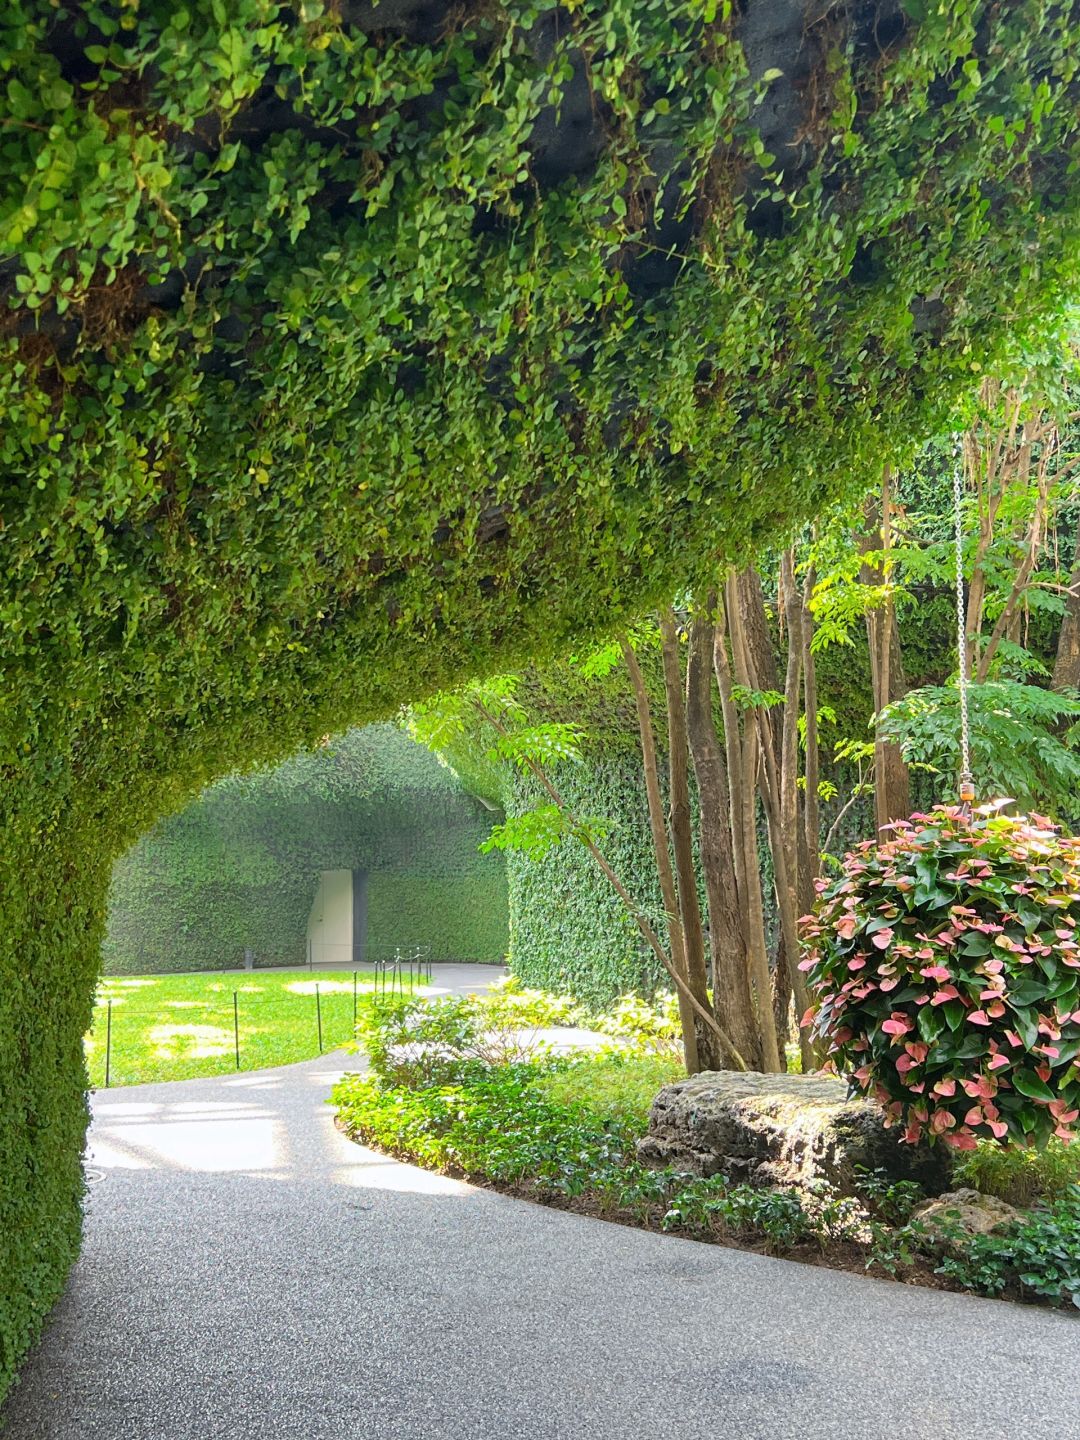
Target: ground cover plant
178	1027
563	1130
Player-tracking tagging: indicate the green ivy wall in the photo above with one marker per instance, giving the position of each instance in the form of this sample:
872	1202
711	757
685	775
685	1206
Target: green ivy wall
239	868
569	931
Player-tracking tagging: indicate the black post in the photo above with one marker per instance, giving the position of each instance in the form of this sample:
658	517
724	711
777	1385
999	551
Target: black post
354	999
318	1016
108	1042
236	1027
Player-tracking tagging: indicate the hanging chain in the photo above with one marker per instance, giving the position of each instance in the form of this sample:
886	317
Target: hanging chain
966	788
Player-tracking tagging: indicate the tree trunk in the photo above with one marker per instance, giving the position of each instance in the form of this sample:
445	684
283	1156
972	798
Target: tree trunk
892	789
1067	660
662	853
727	940
740	747
773	770
682	832
811	803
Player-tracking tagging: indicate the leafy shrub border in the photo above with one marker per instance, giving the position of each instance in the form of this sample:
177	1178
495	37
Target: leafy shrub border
449	1093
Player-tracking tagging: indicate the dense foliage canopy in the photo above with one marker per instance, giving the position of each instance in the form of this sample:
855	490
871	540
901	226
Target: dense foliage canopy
340	342
650	260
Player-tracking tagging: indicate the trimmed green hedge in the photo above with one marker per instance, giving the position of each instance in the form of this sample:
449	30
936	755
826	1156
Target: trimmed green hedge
569	932
240	867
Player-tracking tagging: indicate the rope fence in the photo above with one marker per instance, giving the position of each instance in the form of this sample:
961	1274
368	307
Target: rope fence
398	973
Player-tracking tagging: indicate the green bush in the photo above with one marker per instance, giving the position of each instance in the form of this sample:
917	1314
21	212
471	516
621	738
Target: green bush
1020	1174
1037	1257
612	1087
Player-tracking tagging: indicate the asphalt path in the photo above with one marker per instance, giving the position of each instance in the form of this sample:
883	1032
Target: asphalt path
250	1273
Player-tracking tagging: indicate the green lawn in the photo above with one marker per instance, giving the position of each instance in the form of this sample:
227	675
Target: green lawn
613	1087
177	1027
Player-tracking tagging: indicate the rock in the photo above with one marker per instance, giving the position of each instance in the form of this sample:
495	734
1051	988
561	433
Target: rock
780	1130
968	1212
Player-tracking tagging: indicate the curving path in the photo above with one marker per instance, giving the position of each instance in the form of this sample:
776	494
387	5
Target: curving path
250	1273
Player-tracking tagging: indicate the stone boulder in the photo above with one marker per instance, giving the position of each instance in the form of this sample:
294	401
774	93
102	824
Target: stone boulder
958	1215
780	1130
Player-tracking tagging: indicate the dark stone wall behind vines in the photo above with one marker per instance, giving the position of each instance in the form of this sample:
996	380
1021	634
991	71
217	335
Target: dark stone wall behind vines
240	867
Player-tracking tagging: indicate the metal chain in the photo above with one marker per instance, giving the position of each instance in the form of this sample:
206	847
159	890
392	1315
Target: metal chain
966	788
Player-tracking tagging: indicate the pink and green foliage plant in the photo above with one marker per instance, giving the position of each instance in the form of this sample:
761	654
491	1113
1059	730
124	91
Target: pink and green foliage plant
944	965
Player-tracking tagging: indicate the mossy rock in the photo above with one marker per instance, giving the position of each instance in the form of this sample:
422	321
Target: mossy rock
781	1130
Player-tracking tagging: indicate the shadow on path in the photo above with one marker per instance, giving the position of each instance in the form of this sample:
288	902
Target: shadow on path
249	1273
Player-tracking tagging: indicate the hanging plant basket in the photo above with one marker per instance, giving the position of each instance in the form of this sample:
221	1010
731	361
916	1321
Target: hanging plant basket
945	969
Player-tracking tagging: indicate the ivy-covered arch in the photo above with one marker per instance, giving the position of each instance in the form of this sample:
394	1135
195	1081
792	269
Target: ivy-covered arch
352	349
238	869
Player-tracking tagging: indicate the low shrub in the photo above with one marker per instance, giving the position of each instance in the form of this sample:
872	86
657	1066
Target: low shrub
612	1085
414	1041
647	1025
946	969
1035	1258
510	999
1018	1174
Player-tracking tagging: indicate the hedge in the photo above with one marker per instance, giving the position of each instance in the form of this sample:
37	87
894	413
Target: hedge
239	868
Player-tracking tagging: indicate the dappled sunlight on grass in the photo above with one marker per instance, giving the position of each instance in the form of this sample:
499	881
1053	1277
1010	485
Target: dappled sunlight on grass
178	1027
190	1041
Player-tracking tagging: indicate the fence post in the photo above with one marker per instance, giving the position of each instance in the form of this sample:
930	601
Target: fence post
108	1042
354	999
318	1016
236	1026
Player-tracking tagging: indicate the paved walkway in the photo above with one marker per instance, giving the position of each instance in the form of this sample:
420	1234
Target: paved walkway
249	1273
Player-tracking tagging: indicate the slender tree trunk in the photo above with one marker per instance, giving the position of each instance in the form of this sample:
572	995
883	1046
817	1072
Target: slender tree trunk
778	784
1067	660
784	808
892	790
740	747
1031	545
682	830
731	987
811	803
661	852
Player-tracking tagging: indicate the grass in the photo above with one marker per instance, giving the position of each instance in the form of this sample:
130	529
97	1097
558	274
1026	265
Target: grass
1021	1176
613	1087
180	1027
